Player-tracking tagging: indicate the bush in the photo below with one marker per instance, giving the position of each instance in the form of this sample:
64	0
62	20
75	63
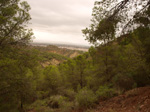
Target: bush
69	93
60	103
141	76
38	103
67	107
85	98
123	82
40	106
104	92
44	109
56	101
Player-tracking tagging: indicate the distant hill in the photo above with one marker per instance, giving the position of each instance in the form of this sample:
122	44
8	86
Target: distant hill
53	55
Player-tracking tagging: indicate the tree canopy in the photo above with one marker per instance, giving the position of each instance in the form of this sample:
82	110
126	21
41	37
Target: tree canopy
113	18
14	15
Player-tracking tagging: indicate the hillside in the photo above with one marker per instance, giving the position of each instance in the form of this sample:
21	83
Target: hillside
61	51
136	100
53	55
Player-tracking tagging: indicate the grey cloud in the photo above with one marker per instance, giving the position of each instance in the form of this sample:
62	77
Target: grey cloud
61	16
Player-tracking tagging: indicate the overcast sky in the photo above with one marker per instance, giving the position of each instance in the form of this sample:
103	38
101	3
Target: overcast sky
60	20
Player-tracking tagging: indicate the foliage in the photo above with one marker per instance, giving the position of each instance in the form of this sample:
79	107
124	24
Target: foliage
112	18
105	92
14	15
17	78
54	103
85	98
18	65
123	82
51	80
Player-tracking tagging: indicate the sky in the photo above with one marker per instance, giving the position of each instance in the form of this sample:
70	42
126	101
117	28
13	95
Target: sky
60	21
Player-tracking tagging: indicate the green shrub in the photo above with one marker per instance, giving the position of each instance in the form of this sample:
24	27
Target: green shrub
40	106
60	103
141	76
123	82
69	93
56	101
67	106
38	103
104	92
85	98
42	94
43	109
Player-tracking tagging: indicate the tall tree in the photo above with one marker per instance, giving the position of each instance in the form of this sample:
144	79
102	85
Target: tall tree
15	62
112	18
14	15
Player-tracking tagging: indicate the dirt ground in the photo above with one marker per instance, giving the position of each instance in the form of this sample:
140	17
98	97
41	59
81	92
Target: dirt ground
136	100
